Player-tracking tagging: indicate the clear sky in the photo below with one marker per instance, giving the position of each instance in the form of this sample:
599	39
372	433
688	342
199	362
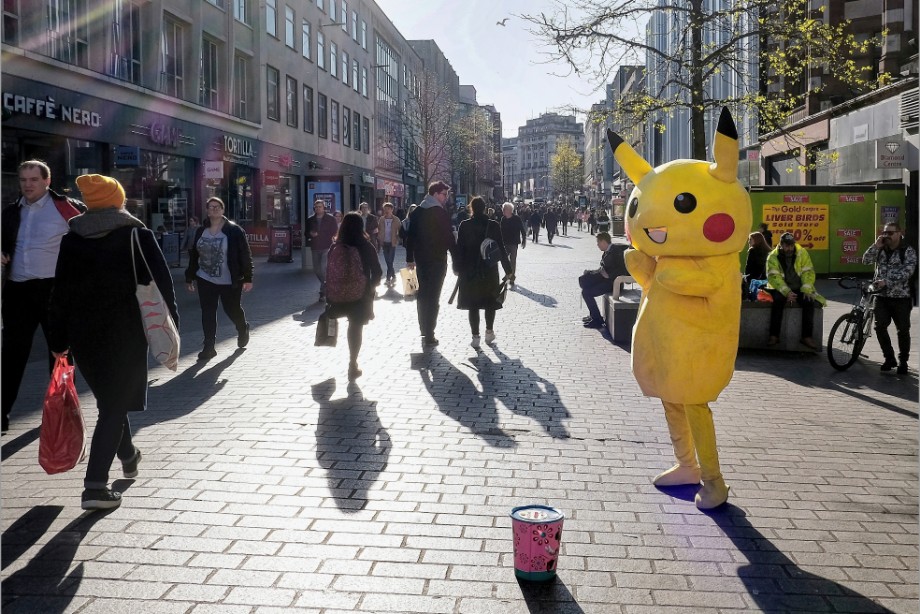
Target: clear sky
506	63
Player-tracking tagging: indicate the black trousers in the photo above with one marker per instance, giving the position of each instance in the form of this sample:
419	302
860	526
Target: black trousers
111	438
230	298
25	308
779	305
897	310
430	281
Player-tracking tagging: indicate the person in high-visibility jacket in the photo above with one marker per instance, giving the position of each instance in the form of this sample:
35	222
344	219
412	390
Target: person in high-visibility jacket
791	281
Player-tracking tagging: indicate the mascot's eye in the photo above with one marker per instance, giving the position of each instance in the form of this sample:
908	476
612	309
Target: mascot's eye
633	207
685	202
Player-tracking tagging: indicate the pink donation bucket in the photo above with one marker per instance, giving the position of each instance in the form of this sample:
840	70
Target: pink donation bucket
537	533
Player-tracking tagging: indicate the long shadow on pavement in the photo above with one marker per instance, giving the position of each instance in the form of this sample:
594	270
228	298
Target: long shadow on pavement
198	384
544	299
775	583
458	398
352	444
524	392
46	584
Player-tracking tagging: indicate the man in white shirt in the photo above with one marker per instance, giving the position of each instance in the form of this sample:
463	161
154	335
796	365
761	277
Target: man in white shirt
32	228
388	235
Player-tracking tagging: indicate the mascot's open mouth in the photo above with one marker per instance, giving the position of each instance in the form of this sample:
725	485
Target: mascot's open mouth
658	235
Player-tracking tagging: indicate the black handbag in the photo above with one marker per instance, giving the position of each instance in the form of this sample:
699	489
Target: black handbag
327	330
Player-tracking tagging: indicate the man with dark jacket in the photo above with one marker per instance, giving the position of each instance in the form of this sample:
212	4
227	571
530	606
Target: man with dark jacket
600	281
513	234
32	228
321	229
428	240
536	219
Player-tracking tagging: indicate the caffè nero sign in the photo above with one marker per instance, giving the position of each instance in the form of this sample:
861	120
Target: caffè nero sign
47	108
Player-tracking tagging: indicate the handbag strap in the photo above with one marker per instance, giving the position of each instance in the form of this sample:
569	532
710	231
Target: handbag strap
135	239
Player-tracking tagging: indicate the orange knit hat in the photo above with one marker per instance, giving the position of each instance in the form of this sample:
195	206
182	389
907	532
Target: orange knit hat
101	192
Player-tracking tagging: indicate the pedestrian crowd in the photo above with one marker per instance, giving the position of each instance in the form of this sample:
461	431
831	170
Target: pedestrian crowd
71	268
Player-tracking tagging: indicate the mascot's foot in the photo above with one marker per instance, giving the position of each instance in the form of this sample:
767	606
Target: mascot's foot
678	475
713	494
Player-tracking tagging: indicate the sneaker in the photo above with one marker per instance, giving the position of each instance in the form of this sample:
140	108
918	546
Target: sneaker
773	340
490	337
594	324
902	368
430	341
586	319
889	364
475	342
353	371
207	353
129	467
243	337
100	499
809	342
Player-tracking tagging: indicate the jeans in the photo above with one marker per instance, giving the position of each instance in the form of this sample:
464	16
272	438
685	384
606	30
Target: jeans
592	285
512	256
389	252
430	281
25	308
776	313
535	230
897	310
320	258
229	297
111	437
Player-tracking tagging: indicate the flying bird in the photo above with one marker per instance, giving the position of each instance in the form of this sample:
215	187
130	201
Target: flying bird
502	22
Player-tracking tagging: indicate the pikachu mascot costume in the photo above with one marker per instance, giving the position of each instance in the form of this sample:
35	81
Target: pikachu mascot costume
687	221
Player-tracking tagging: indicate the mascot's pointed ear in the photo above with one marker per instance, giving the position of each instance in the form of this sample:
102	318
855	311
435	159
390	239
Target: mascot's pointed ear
725	149
635	166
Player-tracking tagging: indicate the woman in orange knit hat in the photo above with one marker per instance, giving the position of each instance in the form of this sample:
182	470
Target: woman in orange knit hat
94	314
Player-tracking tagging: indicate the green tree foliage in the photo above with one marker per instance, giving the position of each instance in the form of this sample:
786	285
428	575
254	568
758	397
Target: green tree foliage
567	170
792	42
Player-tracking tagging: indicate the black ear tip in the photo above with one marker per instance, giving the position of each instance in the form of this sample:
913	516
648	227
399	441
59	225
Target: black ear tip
727	124
614	139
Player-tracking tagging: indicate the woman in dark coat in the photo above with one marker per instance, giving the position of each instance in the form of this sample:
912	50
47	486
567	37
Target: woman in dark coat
755	267
479	284
359	312
94	314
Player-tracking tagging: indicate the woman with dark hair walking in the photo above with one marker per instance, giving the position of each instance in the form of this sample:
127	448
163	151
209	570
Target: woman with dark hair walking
352	244
478	279
220	262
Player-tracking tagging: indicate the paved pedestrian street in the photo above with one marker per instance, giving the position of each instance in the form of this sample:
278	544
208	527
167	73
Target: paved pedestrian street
271	484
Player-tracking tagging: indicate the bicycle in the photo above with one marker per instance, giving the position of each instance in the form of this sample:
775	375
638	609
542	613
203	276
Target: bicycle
850	332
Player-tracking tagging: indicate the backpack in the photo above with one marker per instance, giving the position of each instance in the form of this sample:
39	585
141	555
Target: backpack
489	252
345	278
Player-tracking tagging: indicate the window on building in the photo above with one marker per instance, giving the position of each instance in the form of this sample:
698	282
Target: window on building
241	87
307	109
241	10
289	27
354	26
334	114
210	69
291	93
67	29
218	3
322	117
356	130
364	81
126	40
11	22
305	42
366	134
319	4
354	74
344	67
273	100
172	49
332	10
320	49
271	17
346	126
364	35
405	75
333	59
344	14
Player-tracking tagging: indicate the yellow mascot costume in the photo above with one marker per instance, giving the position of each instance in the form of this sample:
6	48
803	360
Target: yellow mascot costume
687	221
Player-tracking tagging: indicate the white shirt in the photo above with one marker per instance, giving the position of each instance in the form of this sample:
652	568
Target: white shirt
387	230
41	227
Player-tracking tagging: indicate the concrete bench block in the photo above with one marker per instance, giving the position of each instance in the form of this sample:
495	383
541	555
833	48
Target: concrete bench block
755	328
621	308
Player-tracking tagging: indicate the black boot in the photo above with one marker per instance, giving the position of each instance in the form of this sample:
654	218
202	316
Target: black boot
207	353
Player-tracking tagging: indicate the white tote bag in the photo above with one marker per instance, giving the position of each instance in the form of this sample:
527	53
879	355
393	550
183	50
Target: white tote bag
162	334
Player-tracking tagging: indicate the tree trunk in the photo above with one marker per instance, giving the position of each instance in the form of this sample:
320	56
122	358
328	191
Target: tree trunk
697	123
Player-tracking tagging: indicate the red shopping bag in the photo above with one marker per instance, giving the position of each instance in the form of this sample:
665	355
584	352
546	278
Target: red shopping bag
62	441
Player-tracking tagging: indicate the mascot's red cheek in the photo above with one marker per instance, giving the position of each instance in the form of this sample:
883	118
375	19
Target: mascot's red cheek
719	227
